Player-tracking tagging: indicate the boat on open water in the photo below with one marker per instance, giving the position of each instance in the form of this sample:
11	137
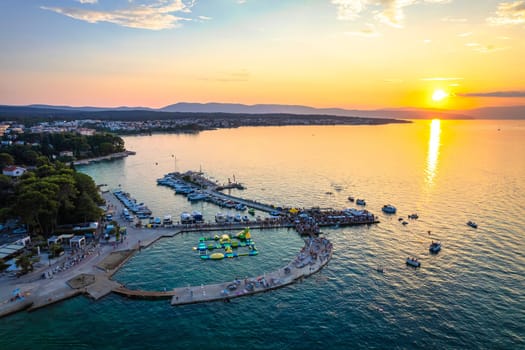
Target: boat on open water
434	247
389	209
413	262
472	224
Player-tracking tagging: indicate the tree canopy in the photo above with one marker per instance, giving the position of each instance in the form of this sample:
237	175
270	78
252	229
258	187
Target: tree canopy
51	195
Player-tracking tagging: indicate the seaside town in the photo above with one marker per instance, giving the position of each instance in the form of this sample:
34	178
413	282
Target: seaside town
145	122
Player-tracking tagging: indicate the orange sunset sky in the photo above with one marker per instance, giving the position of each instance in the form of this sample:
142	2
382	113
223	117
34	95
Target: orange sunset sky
324	53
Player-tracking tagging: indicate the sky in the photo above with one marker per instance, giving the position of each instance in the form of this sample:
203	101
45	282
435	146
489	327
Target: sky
355	54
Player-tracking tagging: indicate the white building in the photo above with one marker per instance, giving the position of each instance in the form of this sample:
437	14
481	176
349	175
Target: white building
13	171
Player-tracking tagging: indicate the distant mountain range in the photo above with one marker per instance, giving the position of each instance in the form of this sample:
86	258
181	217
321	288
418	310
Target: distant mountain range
513	112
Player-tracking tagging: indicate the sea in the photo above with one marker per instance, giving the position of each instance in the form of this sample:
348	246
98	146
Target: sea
471	295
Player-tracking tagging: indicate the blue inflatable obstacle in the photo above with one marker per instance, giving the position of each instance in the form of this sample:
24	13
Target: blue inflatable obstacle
226	243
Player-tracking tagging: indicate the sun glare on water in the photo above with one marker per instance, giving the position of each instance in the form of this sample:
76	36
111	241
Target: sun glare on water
439	95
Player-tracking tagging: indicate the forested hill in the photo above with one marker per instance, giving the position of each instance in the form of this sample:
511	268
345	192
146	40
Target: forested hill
28	115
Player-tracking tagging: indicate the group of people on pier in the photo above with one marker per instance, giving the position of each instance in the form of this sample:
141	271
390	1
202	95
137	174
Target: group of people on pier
315	248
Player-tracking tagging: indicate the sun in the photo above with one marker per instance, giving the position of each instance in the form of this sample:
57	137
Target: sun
439	95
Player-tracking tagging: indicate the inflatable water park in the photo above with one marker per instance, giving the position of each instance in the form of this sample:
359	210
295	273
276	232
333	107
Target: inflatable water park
226	246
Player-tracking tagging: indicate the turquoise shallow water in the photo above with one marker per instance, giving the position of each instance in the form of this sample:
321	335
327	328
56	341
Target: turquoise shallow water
470	295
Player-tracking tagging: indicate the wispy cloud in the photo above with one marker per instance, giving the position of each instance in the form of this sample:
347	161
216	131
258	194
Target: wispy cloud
154	16
391	11
464	35
369	31
506	94
88	1
349	9
509	13
441	79
485	48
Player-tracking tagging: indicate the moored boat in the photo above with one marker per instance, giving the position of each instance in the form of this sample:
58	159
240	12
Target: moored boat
167	221
360	202
186	218
241	207
220	218
197	216
472	224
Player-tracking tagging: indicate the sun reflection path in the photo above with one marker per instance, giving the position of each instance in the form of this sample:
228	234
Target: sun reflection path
433	150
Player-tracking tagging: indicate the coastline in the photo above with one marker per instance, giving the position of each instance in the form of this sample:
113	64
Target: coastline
112	156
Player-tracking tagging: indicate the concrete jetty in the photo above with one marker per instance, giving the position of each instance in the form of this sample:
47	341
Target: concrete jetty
103	158
313	257
303	266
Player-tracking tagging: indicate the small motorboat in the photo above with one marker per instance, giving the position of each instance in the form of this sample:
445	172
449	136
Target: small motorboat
389	209
413	216
405	223
435	247
413	262
400	219
380	269
351	199
360	202
472	224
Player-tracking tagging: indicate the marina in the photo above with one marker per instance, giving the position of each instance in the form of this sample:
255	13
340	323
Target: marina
314	256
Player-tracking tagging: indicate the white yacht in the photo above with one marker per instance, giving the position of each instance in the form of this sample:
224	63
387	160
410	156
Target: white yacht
220	218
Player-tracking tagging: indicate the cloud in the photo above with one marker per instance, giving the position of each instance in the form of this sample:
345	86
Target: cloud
441	79
349	9
464	35
509	13
391	11
369	32
506	94
154	16
88	1
485	48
